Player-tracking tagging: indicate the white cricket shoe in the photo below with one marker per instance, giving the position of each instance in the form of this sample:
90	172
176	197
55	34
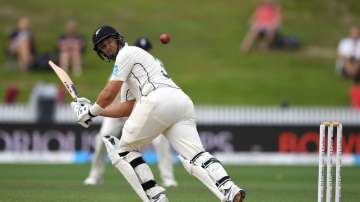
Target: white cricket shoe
159	198
234	194
169	183
92	181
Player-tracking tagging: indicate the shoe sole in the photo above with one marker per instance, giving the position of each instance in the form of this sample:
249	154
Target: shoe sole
93	183
240	196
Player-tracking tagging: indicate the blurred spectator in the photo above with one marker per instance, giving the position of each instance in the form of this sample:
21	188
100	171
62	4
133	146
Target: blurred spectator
348	63
265	23
348	55
11	94
355	96
71	45
21	44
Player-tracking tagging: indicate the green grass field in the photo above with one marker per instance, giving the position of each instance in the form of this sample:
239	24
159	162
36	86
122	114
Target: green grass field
203	56
63	183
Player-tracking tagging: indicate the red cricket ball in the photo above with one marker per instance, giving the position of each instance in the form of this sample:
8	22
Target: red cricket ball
165	38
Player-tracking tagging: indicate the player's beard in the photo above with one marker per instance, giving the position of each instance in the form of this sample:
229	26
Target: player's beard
113	56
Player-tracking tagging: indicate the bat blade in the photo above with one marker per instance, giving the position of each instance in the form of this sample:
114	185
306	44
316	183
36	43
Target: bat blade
65	79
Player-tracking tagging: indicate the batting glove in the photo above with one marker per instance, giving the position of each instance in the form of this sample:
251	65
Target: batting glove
82	112
75	105
83	100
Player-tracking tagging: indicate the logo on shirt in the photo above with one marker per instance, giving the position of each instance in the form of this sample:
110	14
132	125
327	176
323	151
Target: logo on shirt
116	71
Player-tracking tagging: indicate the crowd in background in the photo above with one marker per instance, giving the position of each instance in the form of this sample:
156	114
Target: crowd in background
265	28
22	53
264	33
70	46
68	50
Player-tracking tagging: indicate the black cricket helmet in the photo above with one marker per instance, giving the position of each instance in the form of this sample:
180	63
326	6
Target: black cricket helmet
103	32
143	43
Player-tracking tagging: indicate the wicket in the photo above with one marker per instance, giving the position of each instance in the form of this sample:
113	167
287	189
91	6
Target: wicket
329	126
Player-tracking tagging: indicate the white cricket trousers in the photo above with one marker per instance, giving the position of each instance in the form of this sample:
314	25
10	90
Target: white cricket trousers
166	111
113	126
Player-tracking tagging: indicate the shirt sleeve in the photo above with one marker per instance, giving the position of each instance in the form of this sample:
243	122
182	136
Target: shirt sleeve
123	66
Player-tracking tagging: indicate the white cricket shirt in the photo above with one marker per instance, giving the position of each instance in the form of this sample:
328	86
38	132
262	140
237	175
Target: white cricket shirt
349	47
140	71
125	94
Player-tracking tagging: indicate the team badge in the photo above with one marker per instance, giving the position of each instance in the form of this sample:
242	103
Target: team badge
116	71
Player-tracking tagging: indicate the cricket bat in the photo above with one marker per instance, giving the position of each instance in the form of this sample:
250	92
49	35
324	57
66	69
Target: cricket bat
65	79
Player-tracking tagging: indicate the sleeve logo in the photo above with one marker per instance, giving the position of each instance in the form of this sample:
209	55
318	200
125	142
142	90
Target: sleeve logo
116	71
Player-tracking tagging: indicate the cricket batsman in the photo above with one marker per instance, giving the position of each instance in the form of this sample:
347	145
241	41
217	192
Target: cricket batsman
113	126
160	107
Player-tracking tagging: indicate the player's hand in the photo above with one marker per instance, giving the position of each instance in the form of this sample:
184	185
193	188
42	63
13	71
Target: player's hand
112	145
82	110
84	117
83	101
79	102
